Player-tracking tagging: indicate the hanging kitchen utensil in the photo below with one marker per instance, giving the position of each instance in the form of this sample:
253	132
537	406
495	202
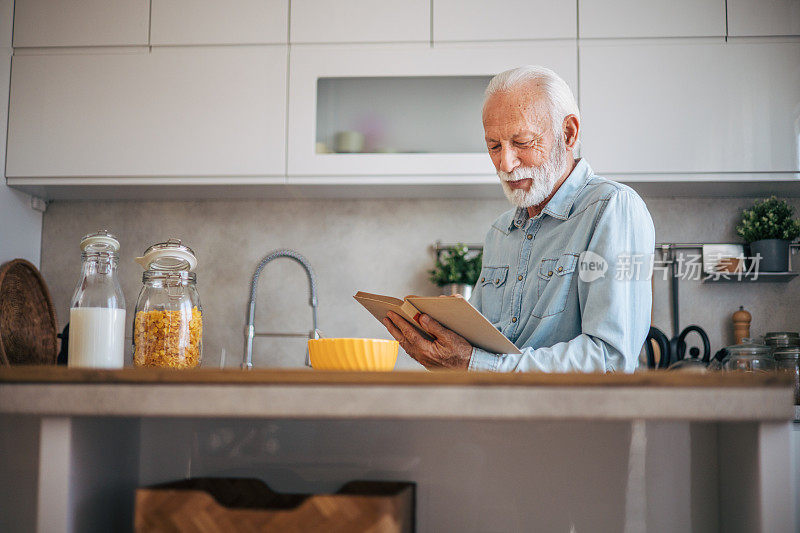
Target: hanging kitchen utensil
27	319
657	348
674	281
693	363
674	349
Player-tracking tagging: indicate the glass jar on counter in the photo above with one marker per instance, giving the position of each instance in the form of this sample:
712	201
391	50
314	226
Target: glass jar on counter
788	360
97	308
168	323
748	357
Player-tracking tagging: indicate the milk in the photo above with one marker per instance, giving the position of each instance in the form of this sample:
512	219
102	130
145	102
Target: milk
96	337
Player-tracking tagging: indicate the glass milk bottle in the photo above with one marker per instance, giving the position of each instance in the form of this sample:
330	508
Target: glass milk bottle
97	309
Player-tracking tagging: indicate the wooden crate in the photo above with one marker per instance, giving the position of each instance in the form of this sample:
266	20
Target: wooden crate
217	505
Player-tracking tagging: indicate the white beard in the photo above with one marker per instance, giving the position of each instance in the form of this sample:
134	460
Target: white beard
543	178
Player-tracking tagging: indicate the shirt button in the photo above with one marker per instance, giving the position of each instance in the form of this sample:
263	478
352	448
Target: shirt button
560	269
519	278
529	236
513	319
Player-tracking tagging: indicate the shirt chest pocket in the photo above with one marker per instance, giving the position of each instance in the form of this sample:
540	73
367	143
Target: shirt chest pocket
492	282
553	284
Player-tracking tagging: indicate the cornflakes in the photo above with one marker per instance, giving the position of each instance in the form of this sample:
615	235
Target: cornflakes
167	339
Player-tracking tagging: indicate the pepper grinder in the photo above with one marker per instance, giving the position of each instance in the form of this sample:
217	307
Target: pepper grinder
741	324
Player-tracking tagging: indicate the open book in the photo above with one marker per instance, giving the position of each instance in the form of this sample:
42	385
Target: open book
452	312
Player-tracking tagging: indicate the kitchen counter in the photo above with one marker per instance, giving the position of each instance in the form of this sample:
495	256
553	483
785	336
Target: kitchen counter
304	393
655	451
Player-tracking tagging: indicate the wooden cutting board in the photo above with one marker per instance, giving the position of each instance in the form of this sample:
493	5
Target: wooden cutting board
27	320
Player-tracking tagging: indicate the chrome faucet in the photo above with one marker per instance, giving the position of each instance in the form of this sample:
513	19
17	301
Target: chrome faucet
249	329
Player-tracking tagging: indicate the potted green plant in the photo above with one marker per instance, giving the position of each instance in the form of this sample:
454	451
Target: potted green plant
769	227
455	271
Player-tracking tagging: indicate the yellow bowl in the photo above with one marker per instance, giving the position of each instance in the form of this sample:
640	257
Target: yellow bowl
353	354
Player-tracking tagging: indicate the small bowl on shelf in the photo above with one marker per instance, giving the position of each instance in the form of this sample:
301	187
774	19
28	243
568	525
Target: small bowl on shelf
730	265
353	354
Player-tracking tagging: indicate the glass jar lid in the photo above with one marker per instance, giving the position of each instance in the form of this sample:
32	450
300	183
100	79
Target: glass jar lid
169	256
169	276
782	338
748	349
790	352
99	242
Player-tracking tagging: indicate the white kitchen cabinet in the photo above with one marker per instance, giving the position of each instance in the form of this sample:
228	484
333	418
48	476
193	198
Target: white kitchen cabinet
479	20
312	67
6	24
358	21
763	17
173	112
80	22
651	18
666	107
176	22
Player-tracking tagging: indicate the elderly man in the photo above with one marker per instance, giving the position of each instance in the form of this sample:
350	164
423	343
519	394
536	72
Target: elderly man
565	275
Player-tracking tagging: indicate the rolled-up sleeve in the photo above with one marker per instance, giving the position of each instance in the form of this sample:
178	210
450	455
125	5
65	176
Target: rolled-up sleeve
614	308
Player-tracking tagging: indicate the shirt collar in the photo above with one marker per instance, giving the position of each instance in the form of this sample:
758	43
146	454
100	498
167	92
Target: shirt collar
560	204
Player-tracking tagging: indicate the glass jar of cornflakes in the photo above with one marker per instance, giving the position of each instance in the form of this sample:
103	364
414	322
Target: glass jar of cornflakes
168	323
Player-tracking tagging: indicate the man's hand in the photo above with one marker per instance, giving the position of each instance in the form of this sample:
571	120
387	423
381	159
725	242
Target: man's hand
447	350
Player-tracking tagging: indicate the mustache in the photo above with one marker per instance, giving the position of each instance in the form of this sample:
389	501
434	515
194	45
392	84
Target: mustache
517	174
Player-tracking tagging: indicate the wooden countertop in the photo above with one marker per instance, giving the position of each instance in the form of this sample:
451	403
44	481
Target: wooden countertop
301	393
655	378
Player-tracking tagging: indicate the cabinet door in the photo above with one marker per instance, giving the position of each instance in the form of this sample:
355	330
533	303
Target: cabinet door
80	22
727	107
215	22
5	72
763	17
394	67
651	18
359	21
172	112
6	24
479	20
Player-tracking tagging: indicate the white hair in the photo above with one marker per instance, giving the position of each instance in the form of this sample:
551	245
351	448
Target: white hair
559	96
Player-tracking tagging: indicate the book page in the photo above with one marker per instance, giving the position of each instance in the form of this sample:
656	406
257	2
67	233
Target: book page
378	297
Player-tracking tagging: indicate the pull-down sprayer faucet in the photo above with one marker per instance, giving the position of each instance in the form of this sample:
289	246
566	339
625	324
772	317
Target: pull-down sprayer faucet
249	330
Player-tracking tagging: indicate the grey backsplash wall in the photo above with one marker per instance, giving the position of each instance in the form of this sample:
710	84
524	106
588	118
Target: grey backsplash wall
372	245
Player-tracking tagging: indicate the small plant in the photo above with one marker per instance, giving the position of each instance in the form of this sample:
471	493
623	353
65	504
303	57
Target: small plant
453	266
771	218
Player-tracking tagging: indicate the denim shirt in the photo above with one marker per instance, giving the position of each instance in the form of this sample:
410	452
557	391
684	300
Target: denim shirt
569	287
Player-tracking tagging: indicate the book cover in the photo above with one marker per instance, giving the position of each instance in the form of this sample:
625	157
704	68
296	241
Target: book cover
453	312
